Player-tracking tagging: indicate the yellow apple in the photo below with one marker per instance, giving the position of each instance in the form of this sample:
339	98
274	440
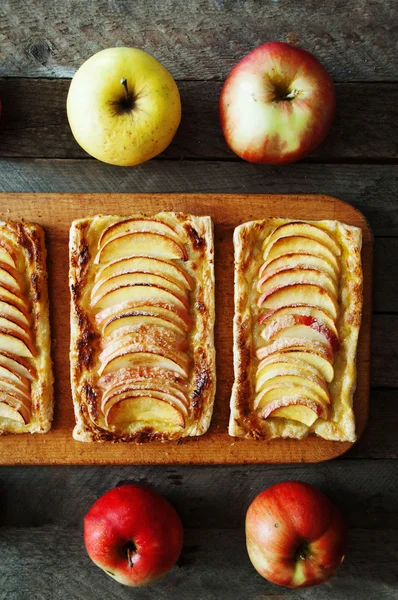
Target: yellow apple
123	106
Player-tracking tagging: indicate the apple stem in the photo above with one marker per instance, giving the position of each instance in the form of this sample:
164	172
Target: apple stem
123	81
130	551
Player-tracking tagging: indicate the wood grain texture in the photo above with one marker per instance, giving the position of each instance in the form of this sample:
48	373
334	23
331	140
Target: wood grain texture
379	439
214	564
55	213
205	497
34	122
197	39
372	189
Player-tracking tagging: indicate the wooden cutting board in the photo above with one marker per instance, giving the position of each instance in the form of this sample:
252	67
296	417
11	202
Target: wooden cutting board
55	212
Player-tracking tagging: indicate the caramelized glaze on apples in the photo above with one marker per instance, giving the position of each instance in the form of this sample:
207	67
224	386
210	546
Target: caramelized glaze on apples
298	287
17	343
141	306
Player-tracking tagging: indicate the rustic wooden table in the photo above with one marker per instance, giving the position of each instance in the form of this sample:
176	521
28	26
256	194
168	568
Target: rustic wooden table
42	43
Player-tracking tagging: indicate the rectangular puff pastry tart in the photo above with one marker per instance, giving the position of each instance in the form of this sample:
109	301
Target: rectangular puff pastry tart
142	317
298	305
26	380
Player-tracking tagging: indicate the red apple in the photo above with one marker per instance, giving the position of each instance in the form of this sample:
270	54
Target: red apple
277	104
133	534
295	536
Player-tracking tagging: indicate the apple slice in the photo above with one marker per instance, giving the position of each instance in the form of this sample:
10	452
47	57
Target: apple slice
129	358
15	344
11	413
7	254
295	345
11	278
18	380
8	386
145	264
303	376
14	298
144	408
134	225
312	331
17	404
299	261
130	345
143	373
139	293
291	382
300	245
19	328
152	307
288	380
146	384
140	244
277	397
101	288
127	393
18	365
292	276
300	293
307	230
302	313
146	337
298	412
319	361
16	313
133	319
284	360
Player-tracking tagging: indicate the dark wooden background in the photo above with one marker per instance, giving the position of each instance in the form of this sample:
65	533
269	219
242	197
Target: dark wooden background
42	43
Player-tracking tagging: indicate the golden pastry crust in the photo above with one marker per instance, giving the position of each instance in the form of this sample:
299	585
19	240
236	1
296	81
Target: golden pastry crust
27	241
244	421
197	234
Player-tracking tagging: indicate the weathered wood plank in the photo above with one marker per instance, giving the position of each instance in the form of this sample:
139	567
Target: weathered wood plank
373	189
366	491
51	562
385	297
34	122
384	367
379	439
196	39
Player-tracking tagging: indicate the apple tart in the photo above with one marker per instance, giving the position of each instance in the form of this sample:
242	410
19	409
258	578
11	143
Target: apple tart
142	316
26	380
298	306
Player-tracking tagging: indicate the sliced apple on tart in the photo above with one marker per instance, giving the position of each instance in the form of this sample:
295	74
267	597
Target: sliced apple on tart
308	230
146	264
138	293
135	318
144	408
300	293
141	244
7	254
12	413
295	276
142	279
298	261
18	365
152	306
137	225
17	314
19	405
301	245
128	393
128	358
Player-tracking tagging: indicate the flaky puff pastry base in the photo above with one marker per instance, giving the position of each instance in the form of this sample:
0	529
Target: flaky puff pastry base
244	421
27	240
197	233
